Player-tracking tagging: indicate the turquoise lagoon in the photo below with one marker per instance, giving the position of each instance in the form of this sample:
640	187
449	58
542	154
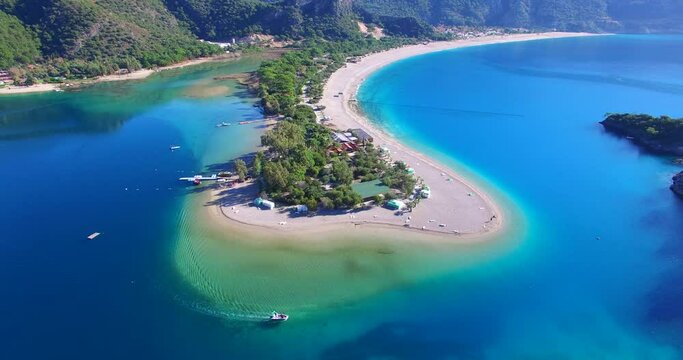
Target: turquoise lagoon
589	268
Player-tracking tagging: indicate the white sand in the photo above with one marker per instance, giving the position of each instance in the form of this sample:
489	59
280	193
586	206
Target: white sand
13	89
134	75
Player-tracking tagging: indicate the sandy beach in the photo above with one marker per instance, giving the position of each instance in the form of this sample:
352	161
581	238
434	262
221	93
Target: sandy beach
134	75
457	207
38	88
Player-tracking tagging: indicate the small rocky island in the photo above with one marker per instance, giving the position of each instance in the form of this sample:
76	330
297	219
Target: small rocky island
663	135
677	186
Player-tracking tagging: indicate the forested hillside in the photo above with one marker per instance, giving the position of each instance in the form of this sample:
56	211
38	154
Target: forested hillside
586	15
76	38
220	19
87	38
226	19
648	15
17	43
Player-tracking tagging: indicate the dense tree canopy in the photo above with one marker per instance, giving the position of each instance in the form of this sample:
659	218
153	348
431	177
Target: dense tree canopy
295	169
302	165
609	15
18	44
662	130
226	19
282	80
85	38
77	38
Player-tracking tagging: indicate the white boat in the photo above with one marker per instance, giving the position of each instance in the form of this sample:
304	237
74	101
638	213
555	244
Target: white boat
198	178
174	147
223	124
278	317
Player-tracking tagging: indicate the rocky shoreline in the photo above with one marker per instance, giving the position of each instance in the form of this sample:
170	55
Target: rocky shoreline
662	135
648	132
677	186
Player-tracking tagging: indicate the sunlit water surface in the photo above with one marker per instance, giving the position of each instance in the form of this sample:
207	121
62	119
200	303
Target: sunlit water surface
588	268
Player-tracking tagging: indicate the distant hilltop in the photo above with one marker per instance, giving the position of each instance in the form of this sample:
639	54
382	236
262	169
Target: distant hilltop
566	15
72	39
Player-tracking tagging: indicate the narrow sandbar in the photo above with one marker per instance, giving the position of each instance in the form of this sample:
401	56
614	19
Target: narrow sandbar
458	208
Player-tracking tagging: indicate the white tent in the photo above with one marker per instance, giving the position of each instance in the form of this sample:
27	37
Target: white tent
268	204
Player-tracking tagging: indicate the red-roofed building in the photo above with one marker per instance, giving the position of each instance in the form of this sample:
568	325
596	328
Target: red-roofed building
5	76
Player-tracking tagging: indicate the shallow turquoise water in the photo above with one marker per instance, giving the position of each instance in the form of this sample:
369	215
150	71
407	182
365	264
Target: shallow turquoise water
602	264
522	117
99	160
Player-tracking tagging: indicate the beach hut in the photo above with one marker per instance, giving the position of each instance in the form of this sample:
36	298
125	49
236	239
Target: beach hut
362	136
426	193
340	138
262	203
268	204
396	205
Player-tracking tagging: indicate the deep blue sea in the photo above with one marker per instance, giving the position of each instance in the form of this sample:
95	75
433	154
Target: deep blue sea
602	269
597	272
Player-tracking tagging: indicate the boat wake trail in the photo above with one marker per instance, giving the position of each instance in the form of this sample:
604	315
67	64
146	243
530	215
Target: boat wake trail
210	310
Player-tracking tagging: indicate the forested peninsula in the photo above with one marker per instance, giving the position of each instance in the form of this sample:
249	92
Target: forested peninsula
662	135
657	134
302	164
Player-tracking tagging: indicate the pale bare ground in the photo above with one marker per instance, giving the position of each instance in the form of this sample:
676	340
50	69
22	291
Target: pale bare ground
144	73
457	208
242	220
377	32
134	75
14	89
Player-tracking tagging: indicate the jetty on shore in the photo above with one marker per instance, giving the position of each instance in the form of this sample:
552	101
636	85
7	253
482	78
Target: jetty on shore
199	177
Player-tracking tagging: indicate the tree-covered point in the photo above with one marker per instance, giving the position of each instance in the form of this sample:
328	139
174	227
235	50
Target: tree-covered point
662	134
299	169
283	80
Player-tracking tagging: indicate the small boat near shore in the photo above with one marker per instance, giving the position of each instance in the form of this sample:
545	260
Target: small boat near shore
223	124
197	179
278	317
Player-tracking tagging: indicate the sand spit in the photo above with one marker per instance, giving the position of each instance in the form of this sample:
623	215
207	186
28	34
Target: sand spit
458	208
